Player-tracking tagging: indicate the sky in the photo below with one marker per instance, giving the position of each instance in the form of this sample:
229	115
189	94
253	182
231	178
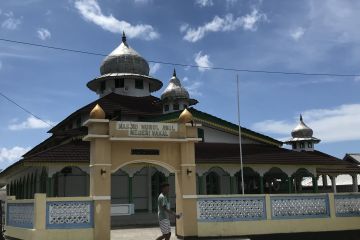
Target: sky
273	35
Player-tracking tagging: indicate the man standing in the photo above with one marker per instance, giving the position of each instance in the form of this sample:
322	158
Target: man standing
164	212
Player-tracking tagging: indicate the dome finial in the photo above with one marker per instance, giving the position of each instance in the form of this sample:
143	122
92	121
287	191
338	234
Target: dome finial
301	118
123	37
97	113
174	73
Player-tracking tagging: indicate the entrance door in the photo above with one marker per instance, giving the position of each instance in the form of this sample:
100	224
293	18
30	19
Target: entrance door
156	180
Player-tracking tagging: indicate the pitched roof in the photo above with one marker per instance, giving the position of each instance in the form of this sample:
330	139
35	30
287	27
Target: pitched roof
78	151
111	103
261	154
352	157
209	119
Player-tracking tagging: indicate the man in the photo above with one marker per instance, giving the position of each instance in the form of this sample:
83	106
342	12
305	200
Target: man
164	212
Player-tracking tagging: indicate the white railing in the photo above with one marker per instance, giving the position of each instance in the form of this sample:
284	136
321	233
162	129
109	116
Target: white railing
231	209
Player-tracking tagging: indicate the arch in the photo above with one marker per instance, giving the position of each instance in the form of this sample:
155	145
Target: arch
252	181
297	180
276	181
68	182
212	183
146	161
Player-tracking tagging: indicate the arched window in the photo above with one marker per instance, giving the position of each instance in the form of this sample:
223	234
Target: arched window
212	183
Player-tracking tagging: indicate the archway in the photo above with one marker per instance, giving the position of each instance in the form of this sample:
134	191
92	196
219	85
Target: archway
70	181
303	181
276	181
252	182
114	145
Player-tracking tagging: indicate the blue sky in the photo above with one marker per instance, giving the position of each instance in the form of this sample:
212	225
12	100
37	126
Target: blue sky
296	36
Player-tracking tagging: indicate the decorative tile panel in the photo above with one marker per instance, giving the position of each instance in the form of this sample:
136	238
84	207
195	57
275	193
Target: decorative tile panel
20	215
231	209
347	205
287	207
66	214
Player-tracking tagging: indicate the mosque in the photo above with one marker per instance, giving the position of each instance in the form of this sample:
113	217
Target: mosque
59	166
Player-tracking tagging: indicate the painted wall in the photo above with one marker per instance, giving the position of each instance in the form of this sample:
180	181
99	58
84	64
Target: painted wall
213	135
128	90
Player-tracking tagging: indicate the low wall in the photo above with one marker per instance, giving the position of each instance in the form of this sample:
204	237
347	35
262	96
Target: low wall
50	218
238	215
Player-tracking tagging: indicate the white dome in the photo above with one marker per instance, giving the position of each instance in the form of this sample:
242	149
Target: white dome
124	59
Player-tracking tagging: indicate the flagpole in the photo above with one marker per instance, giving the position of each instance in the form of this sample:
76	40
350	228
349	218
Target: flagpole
240	145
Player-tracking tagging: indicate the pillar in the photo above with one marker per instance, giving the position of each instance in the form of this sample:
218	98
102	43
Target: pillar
315	184
290	184
40	211
200	184
261	184
100	186
355	183
130	179
333	183
325	182
232	181
185	180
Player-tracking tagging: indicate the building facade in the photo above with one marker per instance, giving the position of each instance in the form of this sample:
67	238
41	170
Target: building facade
60	165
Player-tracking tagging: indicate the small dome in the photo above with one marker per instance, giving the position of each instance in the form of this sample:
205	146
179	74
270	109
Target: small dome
302	130
97	113
174	90
124	59
185	116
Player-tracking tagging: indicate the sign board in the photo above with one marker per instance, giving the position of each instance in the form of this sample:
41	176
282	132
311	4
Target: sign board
148	129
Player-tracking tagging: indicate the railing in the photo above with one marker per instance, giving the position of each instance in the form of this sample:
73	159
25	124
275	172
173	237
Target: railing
303	206
347	205
20	214
287	207
69	214
72	217
232	209
238	215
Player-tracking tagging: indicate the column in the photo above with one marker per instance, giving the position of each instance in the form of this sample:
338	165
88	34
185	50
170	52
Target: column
355	183
261	185
290	184
325	182
315	184
100	186
232	184
130	179
333	183
49	187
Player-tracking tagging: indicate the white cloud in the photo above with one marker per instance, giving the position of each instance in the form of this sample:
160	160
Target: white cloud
12	154
91	12
337	124
193	88
30	123
204	3
43	34
297	33
154	68
203	61
11	23
227	23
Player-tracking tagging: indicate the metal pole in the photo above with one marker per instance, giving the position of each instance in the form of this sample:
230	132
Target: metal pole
241	160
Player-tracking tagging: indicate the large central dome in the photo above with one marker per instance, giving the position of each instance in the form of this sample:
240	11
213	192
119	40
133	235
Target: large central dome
124	59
